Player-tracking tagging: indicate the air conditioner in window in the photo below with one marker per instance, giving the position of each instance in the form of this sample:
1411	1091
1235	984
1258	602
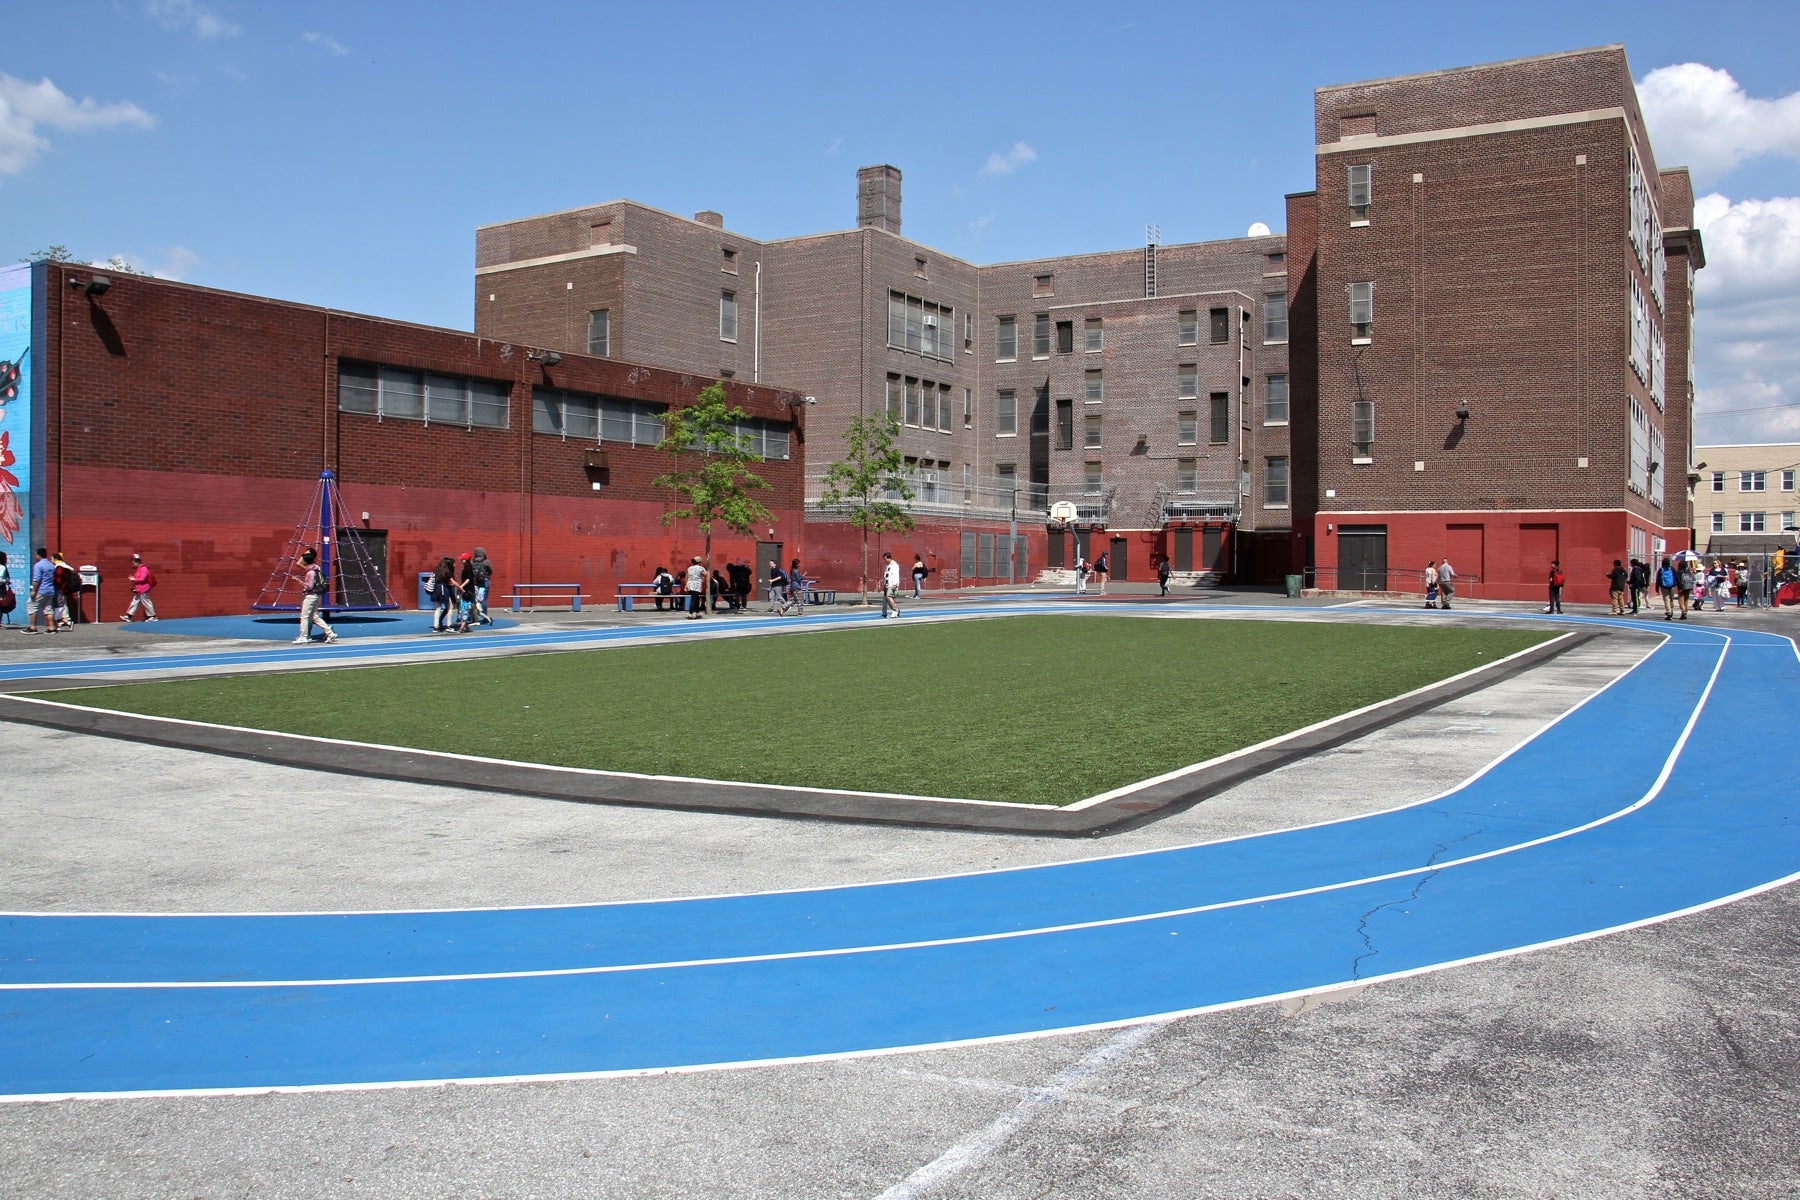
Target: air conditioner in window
931	322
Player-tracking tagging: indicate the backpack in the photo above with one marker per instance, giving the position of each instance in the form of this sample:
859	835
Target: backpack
8	601
1666	577
1556	580
65	580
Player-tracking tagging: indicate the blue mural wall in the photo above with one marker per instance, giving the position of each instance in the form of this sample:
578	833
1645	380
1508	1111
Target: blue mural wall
18	458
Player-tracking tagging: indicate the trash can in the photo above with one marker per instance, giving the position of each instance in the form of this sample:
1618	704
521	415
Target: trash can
1293	587
425	601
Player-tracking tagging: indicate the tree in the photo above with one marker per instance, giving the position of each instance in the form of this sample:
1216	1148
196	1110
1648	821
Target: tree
59	253
869	482
712	478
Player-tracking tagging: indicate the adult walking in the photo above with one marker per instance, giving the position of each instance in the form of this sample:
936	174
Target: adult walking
1640	580
483	570
1162	574
1446	584
890	586
1102	568
314	584
1617	580
68	591
143	579
919	572
1556	587
694	584
42	596
1684	582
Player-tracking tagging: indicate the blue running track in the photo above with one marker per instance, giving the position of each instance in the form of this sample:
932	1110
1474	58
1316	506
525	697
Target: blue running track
1614	816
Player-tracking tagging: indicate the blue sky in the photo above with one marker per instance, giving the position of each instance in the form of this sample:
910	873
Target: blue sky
342	154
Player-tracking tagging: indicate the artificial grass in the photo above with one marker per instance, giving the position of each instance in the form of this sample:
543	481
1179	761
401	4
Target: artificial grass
1041	710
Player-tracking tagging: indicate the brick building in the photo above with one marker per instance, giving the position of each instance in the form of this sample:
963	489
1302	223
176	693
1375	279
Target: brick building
191	425
1502	281
1145	386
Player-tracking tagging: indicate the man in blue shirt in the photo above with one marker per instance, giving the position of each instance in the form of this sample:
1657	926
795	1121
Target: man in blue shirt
43	593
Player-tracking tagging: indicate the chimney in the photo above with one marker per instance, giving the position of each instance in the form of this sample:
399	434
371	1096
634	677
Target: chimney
709	217
878	198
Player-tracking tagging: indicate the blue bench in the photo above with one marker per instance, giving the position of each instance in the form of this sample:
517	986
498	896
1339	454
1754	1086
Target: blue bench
524	594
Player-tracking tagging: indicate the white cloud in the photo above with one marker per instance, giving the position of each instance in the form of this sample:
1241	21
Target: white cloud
836	145
1747	321
1005	164
24	107
186	14
1700	118
326	41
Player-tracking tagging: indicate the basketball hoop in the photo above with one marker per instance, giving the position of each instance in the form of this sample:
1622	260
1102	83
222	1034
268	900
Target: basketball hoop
1063	512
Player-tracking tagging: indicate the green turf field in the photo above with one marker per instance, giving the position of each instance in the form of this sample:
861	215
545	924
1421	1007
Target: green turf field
1040	710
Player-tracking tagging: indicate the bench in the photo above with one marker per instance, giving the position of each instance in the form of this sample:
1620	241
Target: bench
525	593
629	593
820	596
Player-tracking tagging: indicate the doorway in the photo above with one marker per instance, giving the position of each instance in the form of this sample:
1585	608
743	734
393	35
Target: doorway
1362	558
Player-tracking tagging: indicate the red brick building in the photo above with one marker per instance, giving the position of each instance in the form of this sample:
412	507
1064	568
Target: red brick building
1503	286
191	426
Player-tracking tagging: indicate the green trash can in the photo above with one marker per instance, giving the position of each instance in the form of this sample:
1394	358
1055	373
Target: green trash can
1293	587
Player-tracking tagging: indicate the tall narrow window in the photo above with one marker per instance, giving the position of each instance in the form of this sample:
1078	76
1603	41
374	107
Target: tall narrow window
1362	311
1275	400
1187	328
1040	336
1095	387
1065	337
1065	424
1275	318
728	316
1006	339
1091	335
1187	476
600	332
1090	437
1091	477
1006	413
1219	418
1187	382
1359	191
1362	430
1187	427
893	396
1219	320
1275	482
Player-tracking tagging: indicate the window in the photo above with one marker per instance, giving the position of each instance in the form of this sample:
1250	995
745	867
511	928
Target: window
1787	521
1359	191
1275	400
1787	480
1065	337
391	393
918	266
1006	413
728	316
1092	335
728	261
602	418
1277	263
921	326
1006	340
1091	479
1362	430
1219	422
1187	427
911	416
1750	522
968	331
600	332
1275	315
1362	311
1718	481
1065	424
1220	319
1040	336
968	409
895	392
1718	522
1043	285
1187	328
1187	476
1187	382
1094	387
1090	433
1006	483
1752	481
1275	482
944	421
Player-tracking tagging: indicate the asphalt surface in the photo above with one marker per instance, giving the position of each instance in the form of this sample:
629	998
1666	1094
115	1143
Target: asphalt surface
1659	1062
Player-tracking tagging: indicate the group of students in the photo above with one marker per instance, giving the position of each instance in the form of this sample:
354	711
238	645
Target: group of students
730	589
53	591
1100	570
459	592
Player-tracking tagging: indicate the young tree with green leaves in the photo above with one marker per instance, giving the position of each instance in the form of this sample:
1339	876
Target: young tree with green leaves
711	479
869	483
